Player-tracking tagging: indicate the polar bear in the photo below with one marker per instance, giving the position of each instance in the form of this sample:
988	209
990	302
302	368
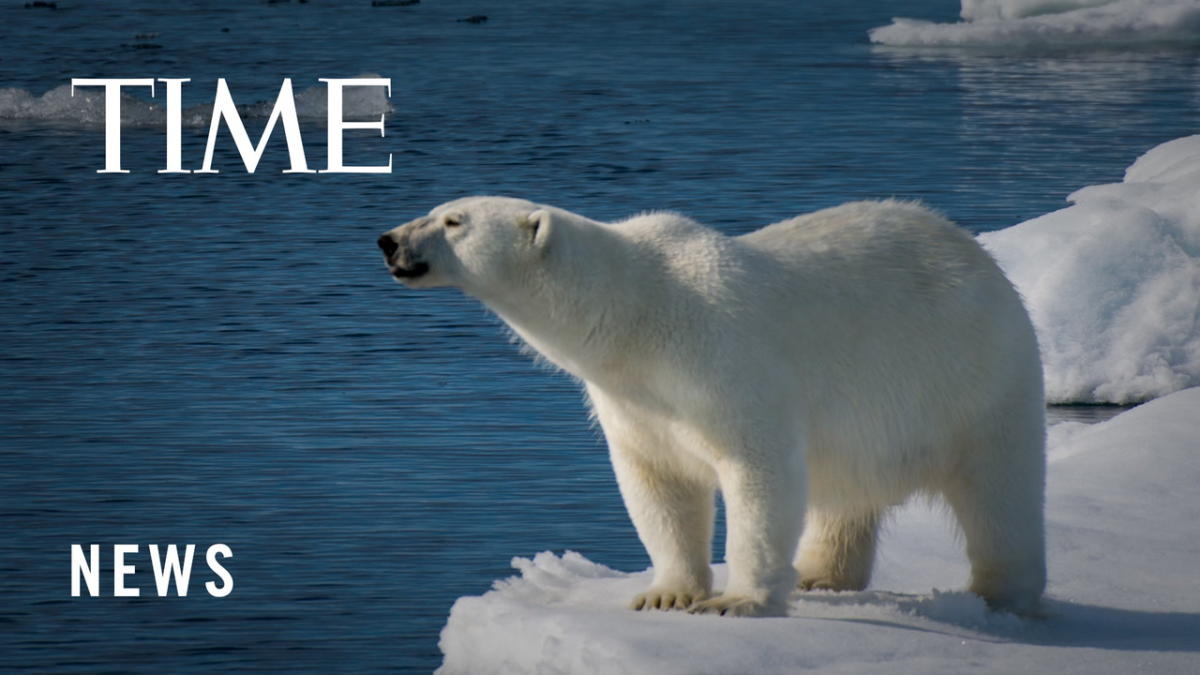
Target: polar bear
816	372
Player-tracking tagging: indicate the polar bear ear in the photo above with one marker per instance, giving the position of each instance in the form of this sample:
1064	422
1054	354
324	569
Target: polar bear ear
537	226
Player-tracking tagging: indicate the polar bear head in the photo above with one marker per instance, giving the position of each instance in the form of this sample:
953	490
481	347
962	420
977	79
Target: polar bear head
474	244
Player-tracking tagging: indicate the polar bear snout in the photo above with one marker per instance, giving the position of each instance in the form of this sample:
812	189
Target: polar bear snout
388	246
400	258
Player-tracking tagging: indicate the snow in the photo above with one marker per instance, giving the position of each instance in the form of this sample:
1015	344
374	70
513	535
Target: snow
1052	24
1122	508
86	107
1015	9
1113	281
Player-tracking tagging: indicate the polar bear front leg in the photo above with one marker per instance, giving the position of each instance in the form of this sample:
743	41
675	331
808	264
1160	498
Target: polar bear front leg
764	513
673	514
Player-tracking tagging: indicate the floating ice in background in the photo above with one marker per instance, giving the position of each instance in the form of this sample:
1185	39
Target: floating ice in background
358	103
1113	282
1121	513
1014	9
86	108
1052	24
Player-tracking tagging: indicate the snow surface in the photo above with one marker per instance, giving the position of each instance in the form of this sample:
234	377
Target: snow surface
1015	9
1052	24
1113	282
86	107
1122	514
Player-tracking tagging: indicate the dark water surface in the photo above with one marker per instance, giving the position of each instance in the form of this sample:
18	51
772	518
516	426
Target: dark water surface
202	359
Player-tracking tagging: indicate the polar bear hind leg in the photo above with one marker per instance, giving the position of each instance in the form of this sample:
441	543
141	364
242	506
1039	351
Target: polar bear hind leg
837	550
998	501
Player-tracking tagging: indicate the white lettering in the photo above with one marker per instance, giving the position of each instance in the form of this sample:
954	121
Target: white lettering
112	114
335	163
219	570
165	570
285	107
88	569
174	125
120	569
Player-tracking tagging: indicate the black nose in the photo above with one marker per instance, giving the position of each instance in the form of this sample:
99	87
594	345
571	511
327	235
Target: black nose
388	245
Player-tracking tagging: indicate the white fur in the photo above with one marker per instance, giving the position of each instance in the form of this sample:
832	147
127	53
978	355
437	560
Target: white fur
821	369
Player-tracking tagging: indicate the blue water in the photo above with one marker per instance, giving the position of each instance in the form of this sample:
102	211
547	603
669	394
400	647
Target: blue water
203	359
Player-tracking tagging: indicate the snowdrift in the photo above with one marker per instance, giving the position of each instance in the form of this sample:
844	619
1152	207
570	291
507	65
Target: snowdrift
1121	526
1052	24
1015	9
1113	282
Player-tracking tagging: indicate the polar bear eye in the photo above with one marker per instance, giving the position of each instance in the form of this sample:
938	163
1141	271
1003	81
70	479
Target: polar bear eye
452	221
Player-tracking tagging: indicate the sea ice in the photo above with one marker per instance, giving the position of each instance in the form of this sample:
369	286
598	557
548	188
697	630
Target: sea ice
1122	508
1052	24
1113	282
1015	9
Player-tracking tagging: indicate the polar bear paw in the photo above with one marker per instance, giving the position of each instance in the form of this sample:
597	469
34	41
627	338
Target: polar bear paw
829	583
734	605
667	598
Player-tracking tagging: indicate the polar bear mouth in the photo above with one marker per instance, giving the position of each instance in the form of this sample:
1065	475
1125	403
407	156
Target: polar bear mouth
412	272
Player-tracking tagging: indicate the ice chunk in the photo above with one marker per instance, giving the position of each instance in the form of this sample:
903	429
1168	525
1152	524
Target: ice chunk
1014	9
1052	24
84	109
1113	282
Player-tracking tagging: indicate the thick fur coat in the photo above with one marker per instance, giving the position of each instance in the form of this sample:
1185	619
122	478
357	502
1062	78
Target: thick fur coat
816	371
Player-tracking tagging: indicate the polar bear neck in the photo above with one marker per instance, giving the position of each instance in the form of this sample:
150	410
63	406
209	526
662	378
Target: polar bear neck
595	287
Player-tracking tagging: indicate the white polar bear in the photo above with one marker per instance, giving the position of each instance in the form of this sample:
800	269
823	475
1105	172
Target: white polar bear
816	372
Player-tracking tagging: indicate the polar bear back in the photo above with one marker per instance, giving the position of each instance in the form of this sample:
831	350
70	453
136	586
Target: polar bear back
902	334
879	243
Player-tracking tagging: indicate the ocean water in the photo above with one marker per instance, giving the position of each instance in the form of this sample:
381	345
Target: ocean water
194	359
